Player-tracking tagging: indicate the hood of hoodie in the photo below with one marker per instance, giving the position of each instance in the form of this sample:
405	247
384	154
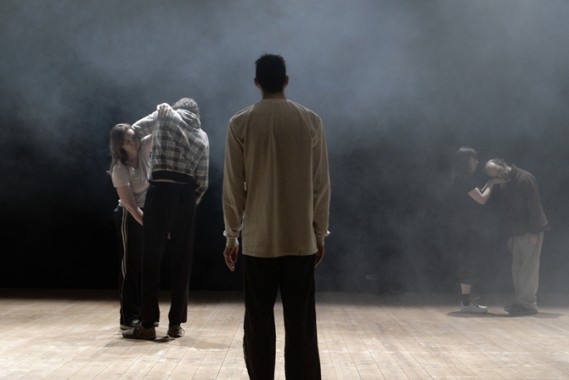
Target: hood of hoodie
189	118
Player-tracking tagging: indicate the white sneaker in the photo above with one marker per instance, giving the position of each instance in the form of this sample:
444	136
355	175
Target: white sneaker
473	308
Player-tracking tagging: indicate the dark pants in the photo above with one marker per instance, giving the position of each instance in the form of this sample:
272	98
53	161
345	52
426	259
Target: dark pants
169	211
129	234
294	276
469	249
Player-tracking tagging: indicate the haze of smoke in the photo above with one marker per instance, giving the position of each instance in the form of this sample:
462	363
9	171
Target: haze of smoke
399	85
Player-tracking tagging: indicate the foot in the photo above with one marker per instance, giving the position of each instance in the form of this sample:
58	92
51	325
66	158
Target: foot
129	325
140	332
175	331
473	308
517	309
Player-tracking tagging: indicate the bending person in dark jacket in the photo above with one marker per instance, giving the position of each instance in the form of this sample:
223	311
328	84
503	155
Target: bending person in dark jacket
526	222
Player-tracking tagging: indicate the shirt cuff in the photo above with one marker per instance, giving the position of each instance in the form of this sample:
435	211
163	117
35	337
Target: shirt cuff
320	239
231	241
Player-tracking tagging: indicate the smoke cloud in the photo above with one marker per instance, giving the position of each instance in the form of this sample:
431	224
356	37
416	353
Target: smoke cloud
399	84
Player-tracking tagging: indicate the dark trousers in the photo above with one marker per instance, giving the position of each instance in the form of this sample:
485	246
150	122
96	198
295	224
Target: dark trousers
169	211
294	277
468	245
129	233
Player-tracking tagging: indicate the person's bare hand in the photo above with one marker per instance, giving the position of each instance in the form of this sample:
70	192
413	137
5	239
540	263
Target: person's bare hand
319	255
498	181
230	256
162	109
533	239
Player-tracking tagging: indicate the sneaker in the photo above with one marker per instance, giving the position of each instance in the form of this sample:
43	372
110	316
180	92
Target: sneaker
519	310
473	308
129	325
175	331
140	332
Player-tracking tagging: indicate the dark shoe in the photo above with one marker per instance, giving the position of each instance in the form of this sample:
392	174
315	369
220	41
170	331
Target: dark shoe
473	308
140	332
175	331
129	325
520	310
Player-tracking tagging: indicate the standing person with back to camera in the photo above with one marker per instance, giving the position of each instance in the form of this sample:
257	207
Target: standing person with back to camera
276	194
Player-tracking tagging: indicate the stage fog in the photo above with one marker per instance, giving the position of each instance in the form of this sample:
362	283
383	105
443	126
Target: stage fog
399	85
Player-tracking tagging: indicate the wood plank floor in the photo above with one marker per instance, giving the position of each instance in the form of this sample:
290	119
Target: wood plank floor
74	334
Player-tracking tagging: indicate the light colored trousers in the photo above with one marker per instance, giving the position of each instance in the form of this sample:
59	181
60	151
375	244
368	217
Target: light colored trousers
525	269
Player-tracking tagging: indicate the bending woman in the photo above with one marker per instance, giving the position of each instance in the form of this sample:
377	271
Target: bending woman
130	168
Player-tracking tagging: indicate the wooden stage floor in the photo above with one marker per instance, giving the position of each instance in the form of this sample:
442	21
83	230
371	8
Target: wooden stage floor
73	334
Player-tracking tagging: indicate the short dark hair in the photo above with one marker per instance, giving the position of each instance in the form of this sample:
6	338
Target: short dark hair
460	160
270	72
187	104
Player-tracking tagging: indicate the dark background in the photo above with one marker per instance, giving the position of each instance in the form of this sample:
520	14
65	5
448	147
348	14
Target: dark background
399	84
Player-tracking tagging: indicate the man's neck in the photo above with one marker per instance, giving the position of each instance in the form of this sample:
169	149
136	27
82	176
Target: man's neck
275	95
